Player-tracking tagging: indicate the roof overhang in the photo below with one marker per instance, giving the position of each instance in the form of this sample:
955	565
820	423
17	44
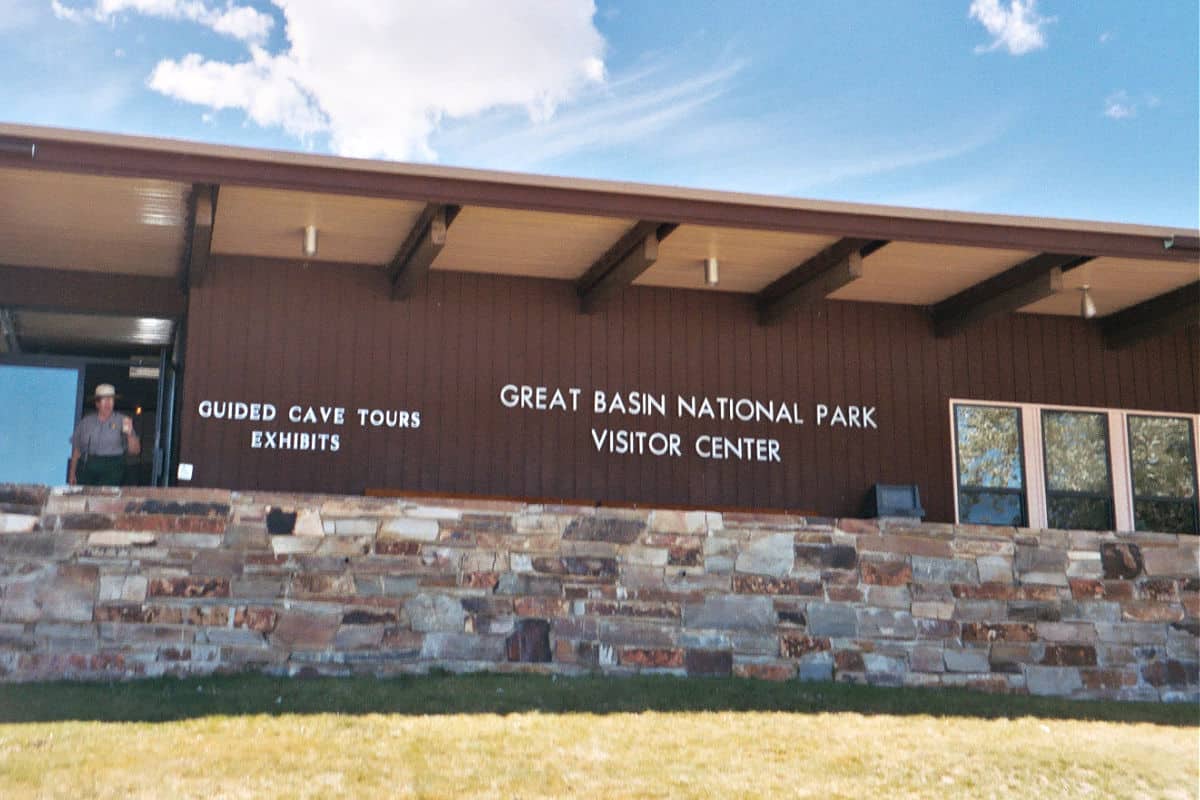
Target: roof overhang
80	201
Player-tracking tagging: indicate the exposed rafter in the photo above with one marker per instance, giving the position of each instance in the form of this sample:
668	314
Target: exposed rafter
1028	282
90	292
419	249
1159	315
1182	244
620	265
202	217
815	279
8	332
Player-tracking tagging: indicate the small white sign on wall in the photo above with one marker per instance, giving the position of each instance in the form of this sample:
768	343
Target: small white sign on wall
184	473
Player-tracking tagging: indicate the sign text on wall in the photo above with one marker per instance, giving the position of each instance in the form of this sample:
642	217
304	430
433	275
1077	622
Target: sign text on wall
303	418
684	407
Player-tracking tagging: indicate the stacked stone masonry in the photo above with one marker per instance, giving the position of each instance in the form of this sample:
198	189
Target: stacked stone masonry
98	583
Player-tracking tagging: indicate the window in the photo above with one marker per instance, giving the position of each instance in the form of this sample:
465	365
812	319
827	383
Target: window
1078	485
1162	460
991	479
1075	468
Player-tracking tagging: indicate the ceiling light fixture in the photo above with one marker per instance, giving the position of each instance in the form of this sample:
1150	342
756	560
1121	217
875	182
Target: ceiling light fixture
310	240
1087	306
1189	244
712	271
17	147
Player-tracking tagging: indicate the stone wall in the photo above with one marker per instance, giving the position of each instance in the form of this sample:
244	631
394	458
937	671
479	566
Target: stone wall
142	582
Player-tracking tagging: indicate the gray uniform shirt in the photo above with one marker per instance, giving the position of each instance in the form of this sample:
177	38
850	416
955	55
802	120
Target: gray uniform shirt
95	438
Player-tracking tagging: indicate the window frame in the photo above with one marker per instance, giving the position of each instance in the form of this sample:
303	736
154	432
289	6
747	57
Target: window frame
1033	449
1109	498
1022	492
1195	501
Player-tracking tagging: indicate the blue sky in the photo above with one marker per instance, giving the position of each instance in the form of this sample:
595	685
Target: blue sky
1050	108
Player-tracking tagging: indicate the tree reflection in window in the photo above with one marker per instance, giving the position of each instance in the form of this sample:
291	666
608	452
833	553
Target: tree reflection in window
1162	460
991	480
1078	487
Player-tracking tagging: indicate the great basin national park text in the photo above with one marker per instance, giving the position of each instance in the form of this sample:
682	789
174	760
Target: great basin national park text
709	445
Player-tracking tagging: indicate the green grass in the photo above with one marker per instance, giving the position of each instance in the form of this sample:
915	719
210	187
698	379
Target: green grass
173	699
530	736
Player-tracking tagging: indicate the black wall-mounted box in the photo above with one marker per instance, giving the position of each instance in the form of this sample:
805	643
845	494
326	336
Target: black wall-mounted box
885	500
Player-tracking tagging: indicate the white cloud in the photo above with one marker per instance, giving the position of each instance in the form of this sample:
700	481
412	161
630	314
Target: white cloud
380	78
661	118
1106	37
262	87
66	12
1017	28
1121	105
1118	105
240	22
635	107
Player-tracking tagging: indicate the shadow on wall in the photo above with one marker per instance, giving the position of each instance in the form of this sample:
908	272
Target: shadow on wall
170	699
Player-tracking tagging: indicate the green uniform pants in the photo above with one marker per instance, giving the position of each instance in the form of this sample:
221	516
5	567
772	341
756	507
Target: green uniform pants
102	471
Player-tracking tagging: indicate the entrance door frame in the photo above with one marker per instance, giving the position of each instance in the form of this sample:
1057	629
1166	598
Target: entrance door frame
164	416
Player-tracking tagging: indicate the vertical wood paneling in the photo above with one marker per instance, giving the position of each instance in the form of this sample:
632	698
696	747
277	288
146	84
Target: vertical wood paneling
822	484
744	385
989	373
1061	335
1097	383
1083	365
868	391
779	385
1038	380
804	493
1155	377
664	346
229	388
426	364
1019	337
283	332
839	448
625	379
1053	360
1189	366
1112	374
934	419
401	333
1172	377
371	331
1005	373
902	379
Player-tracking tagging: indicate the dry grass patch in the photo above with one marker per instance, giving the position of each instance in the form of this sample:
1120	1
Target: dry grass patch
218	744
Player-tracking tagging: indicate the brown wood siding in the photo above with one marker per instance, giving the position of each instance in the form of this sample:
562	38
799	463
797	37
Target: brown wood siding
284	333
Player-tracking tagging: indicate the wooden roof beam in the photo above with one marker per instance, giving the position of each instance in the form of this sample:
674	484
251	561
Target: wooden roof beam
620	265
8	333
202	217
420	248
1160	315
1024	284
815	279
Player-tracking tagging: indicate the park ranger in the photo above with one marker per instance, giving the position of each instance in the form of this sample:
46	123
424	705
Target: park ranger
100	442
